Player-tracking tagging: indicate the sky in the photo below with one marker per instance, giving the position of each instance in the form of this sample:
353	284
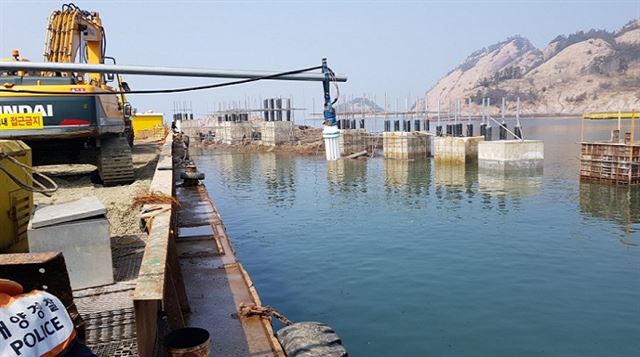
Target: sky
397	48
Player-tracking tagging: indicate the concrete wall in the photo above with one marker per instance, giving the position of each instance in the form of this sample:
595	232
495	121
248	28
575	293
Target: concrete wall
406	145
510	155
456	149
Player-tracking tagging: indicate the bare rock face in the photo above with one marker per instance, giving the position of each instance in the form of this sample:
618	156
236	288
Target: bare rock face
595	70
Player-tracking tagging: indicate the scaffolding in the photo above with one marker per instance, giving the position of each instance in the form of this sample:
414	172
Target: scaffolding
616	161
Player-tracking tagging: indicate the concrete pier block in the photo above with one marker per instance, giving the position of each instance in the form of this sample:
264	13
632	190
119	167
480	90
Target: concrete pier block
406	145
456	150
276	132
234	133
352	141
511	155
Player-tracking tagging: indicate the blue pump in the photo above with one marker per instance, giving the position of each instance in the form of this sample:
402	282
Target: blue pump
329	111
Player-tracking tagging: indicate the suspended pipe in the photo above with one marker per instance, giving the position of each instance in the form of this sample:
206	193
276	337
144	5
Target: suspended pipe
159	71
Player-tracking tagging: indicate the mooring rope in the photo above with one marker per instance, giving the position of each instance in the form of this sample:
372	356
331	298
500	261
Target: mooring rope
262	311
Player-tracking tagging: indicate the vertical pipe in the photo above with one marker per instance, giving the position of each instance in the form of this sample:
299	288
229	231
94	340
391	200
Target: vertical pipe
489	131
279	107
265	106
272	109
518	128
503	126
426	114
438	125
287	107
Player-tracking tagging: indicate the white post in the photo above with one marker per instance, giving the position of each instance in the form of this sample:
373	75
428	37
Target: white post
620	119
518	112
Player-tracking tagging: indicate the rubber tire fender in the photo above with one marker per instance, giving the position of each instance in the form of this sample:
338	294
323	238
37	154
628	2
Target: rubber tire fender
310	339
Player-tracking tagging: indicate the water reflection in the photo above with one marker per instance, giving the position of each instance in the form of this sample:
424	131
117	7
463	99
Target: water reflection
279	175
407	180
514	184
347	176
455	181
613	203
508	189
236	171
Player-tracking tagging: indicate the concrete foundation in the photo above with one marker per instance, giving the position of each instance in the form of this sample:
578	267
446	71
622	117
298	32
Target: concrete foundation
352	141
191	127
456	150
511	155
402	145
276	132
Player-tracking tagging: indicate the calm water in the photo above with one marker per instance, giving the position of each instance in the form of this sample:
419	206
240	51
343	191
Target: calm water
413	259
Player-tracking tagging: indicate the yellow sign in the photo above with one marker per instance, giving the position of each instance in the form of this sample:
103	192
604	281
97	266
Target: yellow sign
20	121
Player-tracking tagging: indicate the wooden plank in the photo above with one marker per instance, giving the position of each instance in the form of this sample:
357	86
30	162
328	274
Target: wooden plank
150	289
146	312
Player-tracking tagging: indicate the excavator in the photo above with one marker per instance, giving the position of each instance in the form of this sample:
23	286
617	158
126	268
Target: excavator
94	127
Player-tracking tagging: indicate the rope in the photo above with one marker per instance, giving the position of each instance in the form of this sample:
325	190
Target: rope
165	91
41	188
262	311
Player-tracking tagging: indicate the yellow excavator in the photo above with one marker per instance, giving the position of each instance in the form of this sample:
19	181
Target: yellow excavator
94	127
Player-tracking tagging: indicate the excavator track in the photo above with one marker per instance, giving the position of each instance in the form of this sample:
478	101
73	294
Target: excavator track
115	164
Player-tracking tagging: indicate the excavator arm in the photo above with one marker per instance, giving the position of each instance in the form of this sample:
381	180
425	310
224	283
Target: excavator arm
75	35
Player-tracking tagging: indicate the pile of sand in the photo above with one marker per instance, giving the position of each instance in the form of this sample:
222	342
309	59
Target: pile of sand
77	181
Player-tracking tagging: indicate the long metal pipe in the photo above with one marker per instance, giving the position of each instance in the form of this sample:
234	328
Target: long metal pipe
159	71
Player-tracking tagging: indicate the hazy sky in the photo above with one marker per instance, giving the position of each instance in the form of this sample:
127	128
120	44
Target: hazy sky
400	47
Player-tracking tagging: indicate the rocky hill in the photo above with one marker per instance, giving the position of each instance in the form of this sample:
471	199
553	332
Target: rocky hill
586	71
358	105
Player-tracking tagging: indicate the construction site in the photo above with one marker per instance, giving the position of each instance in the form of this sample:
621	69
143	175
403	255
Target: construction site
125	237
113	241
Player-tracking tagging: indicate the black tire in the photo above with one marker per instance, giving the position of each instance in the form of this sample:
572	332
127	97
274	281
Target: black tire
192	175
310	339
